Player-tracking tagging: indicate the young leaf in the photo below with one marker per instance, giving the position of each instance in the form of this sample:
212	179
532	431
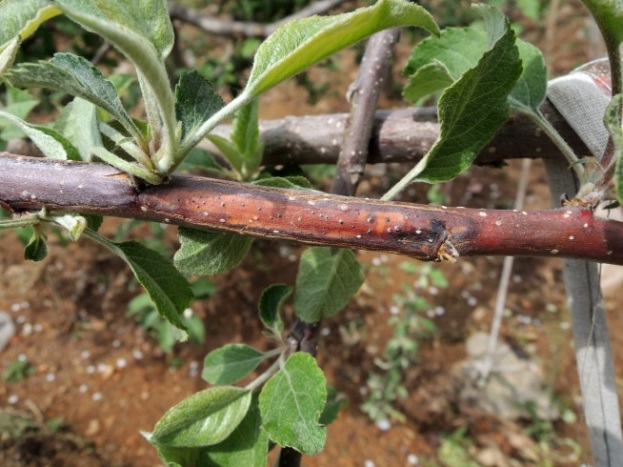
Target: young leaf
437	62
609	16
76	76
291	403
245	135
148	19
270	306
52	144
325	282
245	130
74	224
167	288
203	419
473	108
230	363
613	123
36	250
141	30
299	44
8	53
78	123
20	18
195	101
207	253
247	446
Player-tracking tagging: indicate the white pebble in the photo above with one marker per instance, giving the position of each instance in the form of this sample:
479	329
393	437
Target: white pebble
412	459
97	396
12	399
384	425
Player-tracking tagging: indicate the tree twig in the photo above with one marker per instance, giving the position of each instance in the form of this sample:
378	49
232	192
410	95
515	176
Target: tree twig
245	29
424	232
363	94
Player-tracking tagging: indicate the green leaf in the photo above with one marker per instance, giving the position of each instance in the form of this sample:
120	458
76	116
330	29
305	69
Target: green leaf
335	402
291	403
36	250
52	144
229	150
19	103
207	253
78	123
94	222
473	108
203	419
167	288
427	80
529	91
247	446
179	457
301	43
230	363
195	101
325	282
270	306
609	16
20	18
76	76
437	62
613	123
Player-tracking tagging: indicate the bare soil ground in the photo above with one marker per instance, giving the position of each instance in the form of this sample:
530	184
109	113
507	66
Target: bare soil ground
108	379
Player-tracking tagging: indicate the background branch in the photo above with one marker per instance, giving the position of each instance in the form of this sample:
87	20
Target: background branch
246	29
403	135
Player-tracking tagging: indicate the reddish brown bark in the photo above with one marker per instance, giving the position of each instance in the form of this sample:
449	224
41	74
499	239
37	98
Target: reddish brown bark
310	217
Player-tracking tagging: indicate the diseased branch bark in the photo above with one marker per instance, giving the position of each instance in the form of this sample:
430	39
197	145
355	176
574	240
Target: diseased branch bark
423	232
403	135
245	29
